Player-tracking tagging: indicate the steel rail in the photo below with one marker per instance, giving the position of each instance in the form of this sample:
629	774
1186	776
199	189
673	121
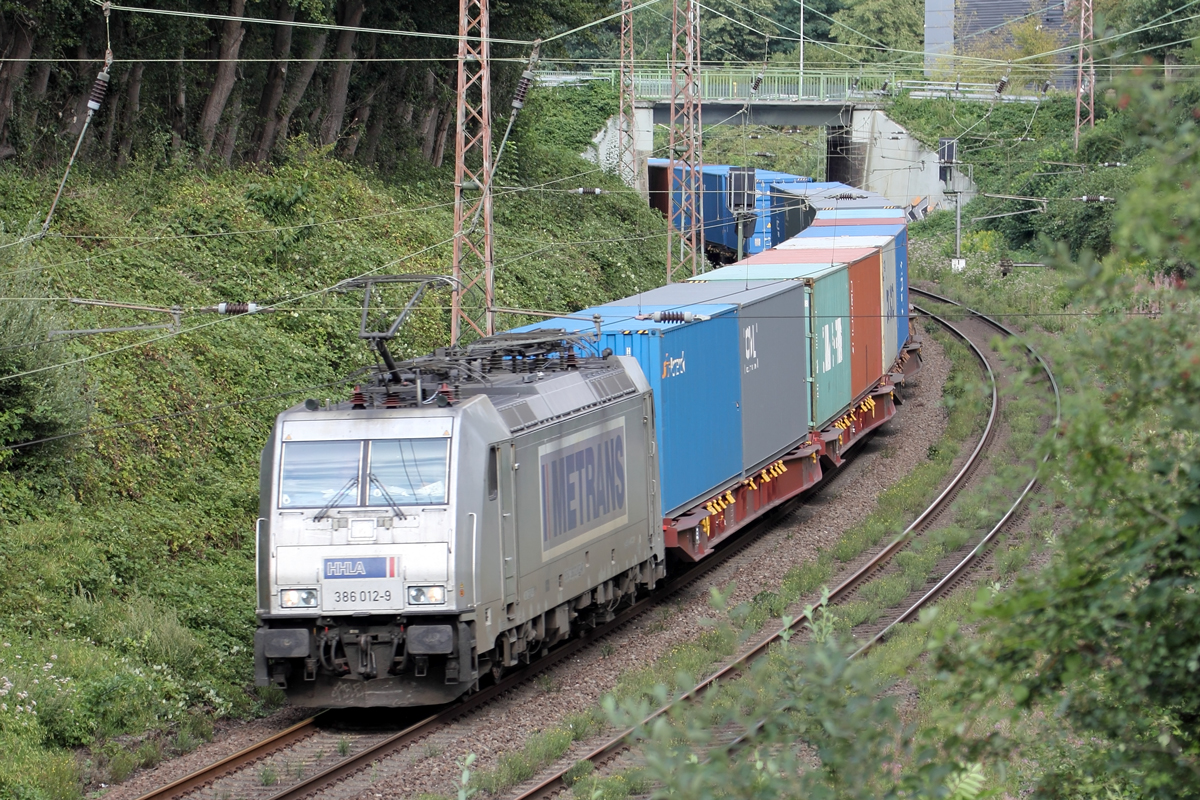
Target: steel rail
419	730
960	570
555	784
235	762
357	763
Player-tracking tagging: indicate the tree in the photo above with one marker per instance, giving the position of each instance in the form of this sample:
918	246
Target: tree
1026	45
231	42
1160	27
1107	637
737	32
874	30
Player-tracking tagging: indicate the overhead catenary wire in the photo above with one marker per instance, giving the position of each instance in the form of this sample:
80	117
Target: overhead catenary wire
332	27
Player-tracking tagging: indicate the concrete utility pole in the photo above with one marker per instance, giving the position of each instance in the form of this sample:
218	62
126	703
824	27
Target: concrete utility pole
1085	76
473	298
802	48
627	166
685	223
958	263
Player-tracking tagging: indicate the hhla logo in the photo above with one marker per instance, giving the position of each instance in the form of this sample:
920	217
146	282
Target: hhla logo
673	366
750	347
345	568
833	345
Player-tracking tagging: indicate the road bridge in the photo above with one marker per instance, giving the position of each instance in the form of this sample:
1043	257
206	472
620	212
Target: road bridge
786	97
863	147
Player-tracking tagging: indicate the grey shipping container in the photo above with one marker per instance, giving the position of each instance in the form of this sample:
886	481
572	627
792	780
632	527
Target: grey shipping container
829	328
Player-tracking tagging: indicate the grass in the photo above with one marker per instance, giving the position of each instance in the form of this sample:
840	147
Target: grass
612	787
540	749
148	604
268	775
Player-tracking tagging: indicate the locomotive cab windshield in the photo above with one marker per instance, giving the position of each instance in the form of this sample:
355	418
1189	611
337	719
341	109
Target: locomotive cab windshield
364	473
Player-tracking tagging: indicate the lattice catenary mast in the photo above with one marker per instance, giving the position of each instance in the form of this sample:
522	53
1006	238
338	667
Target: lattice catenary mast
627	166
473	298
684	144
1085	79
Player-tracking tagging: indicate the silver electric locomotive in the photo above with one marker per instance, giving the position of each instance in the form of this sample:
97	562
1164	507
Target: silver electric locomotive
460	514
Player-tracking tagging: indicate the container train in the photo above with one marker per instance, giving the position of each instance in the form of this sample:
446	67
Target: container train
466	511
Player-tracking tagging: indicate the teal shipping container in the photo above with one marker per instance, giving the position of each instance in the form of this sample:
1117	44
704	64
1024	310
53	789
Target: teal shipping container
828	310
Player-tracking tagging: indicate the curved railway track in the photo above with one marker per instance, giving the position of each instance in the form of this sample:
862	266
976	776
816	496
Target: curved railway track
555	785
367	749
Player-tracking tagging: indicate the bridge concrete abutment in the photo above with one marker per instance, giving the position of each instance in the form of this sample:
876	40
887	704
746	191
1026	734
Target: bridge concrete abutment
876	153
605	148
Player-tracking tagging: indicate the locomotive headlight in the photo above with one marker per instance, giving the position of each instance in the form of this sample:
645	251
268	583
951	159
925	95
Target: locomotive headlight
298	598
426	595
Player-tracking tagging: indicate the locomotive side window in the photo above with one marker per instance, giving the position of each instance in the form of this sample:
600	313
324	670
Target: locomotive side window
408	471
319	474
493	472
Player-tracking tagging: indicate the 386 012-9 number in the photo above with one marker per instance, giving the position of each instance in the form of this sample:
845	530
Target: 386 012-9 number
363	596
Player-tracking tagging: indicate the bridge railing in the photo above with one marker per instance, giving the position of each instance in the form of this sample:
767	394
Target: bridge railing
790	86
775	86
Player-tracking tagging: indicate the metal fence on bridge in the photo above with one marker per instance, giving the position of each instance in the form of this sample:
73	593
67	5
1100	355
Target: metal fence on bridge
792	86
779	86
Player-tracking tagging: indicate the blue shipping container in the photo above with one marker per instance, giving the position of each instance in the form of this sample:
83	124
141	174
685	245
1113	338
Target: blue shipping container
720	225
772	327
693	369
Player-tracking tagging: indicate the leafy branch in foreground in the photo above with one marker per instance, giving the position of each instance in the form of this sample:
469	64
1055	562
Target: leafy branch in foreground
1107	638
815	725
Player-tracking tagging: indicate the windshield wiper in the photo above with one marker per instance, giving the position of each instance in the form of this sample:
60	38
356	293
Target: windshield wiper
386	496
324	512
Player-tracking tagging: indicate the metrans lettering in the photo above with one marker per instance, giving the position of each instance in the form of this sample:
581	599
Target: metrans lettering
583	481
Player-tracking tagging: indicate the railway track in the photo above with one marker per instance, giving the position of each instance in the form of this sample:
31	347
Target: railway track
365	749
555	784
334	758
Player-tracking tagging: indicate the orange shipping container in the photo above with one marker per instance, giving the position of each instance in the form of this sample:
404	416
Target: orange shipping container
866	323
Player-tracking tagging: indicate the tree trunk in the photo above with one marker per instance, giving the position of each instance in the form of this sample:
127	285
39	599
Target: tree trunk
339	87
133	97
439	149
231	43
179	114
39	88
229	136
268	104
358	123
350	143
74	110
294	95
429	133
374	134
12	69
